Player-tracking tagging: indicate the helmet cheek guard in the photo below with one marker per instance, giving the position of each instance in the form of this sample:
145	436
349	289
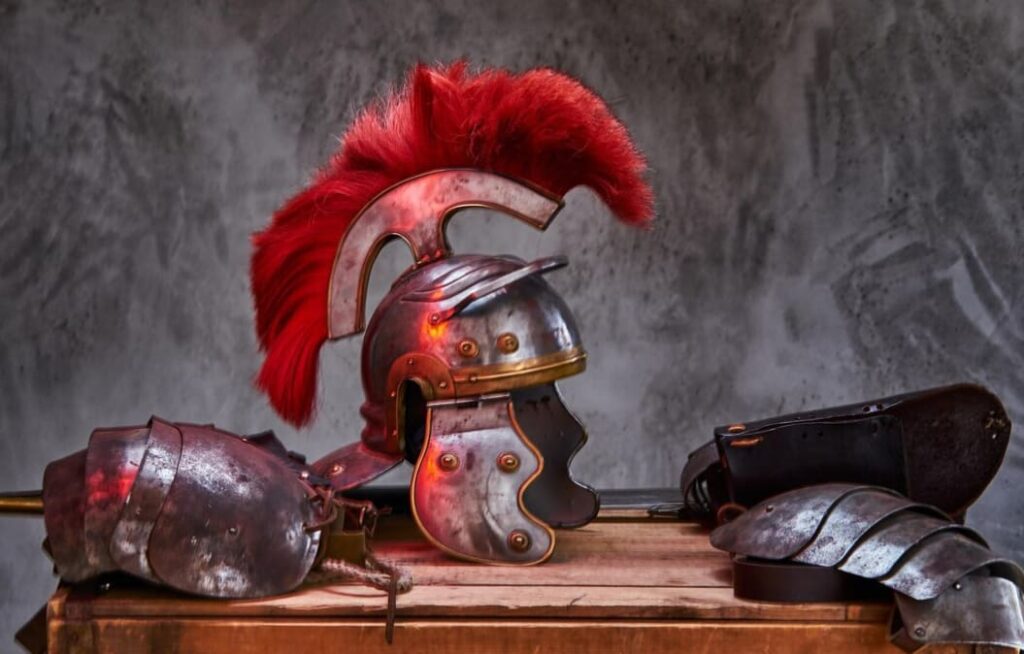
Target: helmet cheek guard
460	359
476	450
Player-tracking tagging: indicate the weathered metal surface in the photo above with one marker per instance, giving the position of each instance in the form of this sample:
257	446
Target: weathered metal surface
464	499
555	496
938	562
64	515
850	518
130	540
416	211
953	587
353	465
233	523
880	550
781	526
457	327
908	547
978	610
462	356
112	462
447	307
189	506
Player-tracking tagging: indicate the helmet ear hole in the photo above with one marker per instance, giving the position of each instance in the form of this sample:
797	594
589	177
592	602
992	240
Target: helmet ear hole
414	410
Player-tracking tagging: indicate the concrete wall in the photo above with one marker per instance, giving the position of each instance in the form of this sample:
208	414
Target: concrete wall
840	190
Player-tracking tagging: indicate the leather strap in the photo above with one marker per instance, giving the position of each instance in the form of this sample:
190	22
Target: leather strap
774	581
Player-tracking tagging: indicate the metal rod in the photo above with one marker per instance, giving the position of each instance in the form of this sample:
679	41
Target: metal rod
22	503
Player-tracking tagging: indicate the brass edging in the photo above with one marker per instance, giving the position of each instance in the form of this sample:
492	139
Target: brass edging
547	367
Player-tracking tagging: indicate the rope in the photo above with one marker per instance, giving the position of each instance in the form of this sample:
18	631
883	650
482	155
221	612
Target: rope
376	572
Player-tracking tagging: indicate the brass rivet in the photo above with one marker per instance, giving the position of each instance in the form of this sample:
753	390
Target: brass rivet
337	469
519	541
508	462
508	343
448	461
468	348
442	384
737	428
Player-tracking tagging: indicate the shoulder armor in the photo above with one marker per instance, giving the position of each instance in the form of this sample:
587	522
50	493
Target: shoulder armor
931	562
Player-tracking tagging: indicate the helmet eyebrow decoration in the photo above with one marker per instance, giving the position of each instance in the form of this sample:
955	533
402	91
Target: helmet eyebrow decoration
448	139
452	305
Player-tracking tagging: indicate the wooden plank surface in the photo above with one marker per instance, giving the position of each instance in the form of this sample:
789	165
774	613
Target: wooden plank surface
474	601
126	636
624	583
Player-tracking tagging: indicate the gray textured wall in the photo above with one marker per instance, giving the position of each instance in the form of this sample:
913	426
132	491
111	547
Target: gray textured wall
839	187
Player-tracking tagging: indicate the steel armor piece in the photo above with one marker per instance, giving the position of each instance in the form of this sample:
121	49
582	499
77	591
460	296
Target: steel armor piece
940	446
950	587
461	357
453	353
188	506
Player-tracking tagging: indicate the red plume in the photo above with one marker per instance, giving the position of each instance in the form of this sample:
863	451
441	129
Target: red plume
540	126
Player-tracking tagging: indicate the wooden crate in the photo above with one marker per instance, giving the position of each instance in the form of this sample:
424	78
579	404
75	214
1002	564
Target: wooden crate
625	583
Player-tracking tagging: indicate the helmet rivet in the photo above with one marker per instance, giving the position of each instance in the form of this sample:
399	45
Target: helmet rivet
410	362
473	379
394	432
442	384
508	343
737	428
468	348
448	461
435	318
508	462
769	508
393	394
519	541
920	632
337	469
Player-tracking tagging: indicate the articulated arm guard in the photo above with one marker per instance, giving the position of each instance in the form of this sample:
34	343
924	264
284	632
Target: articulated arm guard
188	506
811	544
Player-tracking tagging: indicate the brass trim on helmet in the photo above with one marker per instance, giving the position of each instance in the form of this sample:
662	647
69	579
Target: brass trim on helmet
519	495
476	380
438	381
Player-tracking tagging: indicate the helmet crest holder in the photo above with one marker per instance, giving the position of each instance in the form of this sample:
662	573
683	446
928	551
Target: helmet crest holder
471	508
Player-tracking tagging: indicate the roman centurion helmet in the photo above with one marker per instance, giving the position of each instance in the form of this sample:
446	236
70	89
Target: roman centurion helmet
460	359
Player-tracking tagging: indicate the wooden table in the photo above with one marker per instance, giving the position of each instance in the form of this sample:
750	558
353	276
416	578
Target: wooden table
625	583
